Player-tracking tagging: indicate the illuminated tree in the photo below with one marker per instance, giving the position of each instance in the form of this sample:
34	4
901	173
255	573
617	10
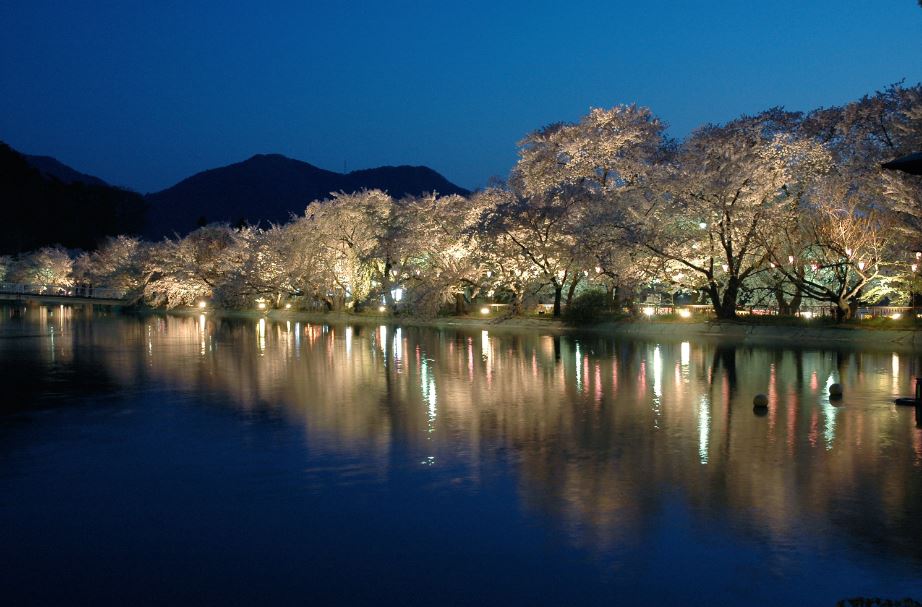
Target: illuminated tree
181	272
48	267
731	184
836	252
118	264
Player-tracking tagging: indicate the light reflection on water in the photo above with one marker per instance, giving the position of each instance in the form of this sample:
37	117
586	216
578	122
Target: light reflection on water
639	455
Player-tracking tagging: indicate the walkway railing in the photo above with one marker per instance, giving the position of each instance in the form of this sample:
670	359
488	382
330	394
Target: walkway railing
83	291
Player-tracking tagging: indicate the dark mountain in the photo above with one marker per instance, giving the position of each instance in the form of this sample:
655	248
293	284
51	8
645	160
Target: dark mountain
270	187
54	168
39	210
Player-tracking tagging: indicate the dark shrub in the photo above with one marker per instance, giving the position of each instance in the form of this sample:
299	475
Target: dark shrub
586	308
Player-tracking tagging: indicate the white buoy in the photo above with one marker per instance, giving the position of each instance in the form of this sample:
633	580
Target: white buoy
760	400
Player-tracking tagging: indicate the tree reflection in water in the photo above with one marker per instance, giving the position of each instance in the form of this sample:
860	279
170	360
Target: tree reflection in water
602	433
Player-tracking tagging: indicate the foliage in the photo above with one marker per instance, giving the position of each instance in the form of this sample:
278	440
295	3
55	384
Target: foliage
587	307
777	208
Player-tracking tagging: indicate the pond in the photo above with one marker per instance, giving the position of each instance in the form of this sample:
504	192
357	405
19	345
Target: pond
187	459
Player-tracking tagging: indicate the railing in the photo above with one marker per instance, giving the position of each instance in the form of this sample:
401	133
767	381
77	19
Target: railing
84	291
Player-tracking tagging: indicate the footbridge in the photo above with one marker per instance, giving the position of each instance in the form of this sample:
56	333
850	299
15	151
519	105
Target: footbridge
53	294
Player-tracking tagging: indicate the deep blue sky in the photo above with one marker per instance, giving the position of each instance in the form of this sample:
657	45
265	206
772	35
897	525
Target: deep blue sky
145	94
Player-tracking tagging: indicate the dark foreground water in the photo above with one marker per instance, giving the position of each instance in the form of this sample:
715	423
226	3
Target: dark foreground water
185	460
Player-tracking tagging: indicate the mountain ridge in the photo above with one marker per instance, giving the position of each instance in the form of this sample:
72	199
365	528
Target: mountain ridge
270	187
51	167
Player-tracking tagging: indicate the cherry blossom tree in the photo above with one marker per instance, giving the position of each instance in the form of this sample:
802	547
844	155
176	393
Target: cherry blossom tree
730	185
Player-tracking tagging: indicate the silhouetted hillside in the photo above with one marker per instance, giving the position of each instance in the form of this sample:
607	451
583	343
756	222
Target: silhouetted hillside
270	187
40	210
54	168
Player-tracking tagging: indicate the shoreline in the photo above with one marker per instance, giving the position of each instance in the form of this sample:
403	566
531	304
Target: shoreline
727	332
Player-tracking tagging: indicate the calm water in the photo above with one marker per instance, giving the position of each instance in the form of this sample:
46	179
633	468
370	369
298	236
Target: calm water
189	460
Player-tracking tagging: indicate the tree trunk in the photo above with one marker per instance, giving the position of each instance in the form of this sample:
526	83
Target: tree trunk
558	292
516	304
386	285
571	291
726	310
460	308
783	308
714	296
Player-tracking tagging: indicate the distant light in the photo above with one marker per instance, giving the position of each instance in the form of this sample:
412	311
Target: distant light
684	313
649	311
896	316
382	308
808	315
261	305
484	310
202	305
288	306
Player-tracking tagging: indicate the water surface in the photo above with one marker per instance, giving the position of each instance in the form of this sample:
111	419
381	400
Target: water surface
193	460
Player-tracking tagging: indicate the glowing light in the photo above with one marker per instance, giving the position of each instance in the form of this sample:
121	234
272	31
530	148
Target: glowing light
649	311
202	305
704	429
397	294
484	310
382	308
896	316
684	313
808	315
261	335
685	353
261	305
288	306
579	369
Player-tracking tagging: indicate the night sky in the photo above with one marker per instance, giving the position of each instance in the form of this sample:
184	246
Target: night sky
145	94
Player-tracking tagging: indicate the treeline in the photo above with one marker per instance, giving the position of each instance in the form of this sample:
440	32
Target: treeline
779	208
38	210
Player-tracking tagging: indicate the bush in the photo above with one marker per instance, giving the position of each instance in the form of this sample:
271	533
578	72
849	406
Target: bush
586	308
